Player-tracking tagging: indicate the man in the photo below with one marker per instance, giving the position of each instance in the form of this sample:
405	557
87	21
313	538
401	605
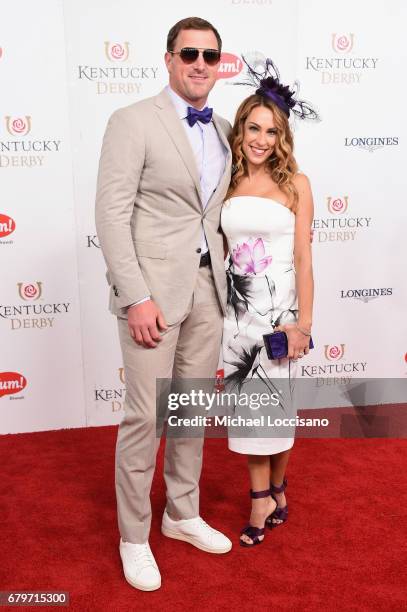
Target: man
164	171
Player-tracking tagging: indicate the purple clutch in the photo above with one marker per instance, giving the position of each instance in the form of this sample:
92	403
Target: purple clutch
276	344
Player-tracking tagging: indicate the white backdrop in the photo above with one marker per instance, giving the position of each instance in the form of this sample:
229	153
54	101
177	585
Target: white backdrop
60	363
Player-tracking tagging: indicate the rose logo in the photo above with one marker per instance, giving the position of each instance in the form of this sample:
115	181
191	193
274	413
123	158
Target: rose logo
18	126
342	44
333	352
337	205
116	52
30	291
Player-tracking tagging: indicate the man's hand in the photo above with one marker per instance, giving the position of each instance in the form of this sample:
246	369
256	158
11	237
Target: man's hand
145	321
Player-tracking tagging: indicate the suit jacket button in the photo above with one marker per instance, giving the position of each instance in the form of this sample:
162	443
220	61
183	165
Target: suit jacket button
115	291
198	250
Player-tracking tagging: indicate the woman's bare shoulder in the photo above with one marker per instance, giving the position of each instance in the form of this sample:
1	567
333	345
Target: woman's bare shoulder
301	182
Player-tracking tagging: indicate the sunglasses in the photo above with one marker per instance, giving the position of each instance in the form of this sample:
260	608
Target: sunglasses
189	55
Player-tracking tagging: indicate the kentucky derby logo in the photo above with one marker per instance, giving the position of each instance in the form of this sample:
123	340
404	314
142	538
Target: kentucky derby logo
11	382
18	126
230	66
342	43
113	398
341	66
334	352
31	291
337	205
7	225
37	313
116	52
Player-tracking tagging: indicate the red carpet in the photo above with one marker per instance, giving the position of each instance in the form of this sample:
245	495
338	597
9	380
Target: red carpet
343	547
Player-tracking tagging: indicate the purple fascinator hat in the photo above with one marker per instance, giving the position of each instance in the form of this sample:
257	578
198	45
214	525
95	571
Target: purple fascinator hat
267	84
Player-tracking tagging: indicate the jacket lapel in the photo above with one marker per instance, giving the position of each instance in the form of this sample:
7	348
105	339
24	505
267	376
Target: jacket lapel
225	179
172	124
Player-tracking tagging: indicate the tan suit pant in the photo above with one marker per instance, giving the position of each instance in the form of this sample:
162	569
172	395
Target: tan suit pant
189	349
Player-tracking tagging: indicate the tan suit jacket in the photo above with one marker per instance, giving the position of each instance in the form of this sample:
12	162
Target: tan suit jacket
149	210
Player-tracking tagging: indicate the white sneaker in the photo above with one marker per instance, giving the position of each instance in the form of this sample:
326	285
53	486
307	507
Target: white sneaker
139	566
196	532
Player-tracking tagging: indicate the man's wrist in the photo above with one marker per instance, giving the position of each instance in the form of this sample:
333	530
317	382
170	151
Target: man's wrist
145	299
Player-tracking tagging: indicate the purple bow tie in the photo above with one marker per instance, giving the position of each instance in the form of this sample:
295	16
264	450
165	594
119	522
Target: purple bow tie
194	115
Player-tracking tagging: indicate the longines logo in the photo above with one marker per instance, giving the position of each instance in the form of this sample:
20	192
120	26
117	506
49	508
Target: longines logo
339	227
120	78
114	397
371	143
366	295
12	383
7	227
32	315
335	364
24	153
343	67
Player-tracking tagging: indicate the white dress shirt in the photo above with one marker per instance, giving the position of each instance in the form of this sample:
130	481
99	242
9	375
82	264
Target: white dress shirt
210	156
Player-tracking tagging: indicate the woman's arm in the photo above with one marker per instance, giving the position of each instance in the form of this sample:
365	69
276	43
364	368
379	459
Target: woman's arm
302	252
298	342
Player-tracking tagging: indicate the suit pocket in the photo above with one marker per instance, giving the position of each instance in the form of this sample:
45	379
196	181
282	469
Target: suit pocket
150	249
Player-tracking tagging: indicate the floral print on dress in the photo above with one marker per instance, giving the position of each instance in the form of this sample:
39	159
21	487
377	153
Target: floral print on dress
251	257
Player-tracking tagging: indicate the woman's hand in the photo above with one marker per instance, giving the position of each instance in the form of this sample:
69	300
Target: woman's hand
298	343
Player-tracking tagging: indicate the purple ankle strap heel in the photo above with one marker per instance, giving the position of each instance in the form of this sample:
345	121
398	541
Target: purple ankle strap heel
254	533
280	513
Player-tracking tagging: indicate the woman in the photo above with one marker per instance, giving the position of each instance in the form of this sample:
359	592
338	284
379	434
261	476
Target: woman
266	220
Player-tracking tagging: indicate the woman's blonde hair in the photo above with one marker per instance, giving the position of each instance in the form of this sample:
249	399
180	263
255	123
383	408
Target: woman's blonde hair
281	164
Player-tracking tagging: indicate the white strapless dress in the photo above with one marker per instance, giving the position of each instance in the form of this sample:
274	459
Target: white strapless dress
261	296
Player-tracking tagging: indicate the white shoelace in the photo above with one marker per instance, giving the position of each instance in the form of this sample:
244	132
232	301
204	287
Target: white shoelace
204	525
144	557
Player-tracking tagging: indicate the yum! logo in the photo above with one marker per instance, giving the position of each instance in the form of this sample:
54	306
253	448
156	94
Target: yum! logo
11	382
230	66
18	126
30	291
334	352
117	52
7	225
337	205
342	43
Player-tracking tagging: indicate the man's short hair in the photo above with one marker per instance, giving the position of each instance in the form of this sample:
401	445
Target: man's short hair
191	23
